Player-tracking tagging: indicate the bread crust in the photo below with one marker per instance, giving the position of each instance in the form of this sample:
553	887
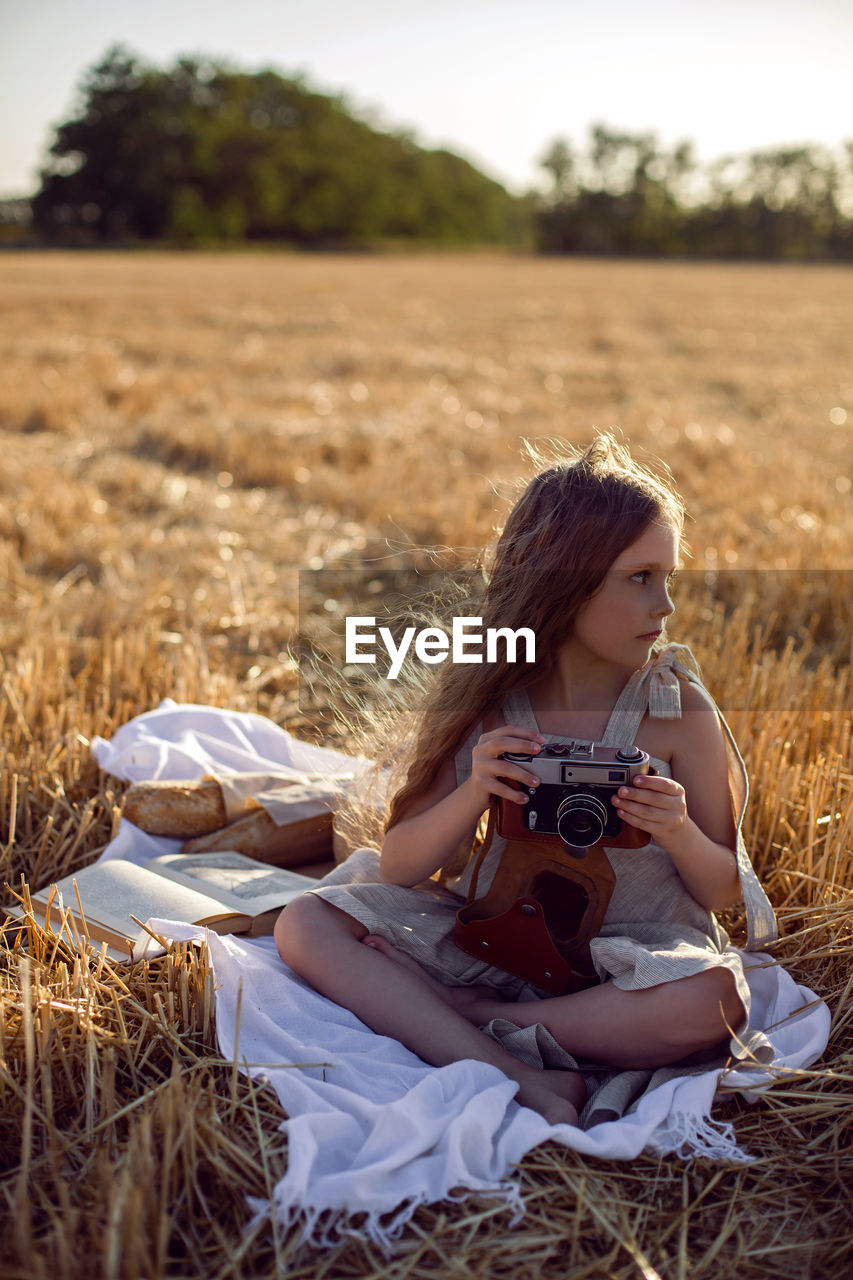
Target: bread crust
176	809
256	835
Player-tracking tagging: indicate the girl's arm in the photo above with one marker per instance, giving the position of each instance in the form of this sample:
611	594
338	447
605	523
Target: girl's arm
436	823
690	814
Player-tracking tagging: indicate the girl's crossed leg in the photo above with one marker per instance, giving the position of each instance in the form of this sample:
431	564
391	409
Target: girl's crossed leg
324	945
643	1029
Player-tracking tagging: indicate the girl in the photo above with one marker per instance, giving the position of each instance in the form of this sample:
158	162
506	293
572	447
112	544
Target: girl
587	560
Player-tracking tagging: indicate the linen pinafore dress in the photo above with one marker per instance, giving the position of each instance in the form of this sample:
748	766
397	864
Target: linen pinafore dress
654	931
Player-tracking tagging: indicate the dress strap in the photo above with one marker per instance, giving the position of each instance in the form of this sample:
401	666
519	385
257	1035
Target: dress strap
659	681
654	688
463	760
628	711
517	709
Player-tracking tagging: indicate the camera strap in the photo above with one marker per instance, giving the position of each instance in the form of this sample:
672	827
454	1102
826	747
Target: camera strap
542	909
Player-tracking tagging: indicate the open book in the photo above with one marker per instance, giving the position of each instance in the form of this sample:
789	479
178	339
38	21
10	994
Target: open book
227	891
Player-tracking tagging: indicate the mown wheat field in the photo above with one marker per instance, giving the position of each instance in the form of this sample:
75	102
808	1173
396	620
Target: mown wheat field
181	434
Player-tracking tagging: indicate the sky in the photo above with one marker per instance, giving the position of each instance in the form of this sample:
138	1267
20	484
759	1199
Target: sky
494	80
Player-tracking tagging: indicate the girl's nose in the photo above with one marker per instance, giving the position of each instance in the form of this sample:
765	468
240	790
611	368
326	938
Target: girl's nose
665	605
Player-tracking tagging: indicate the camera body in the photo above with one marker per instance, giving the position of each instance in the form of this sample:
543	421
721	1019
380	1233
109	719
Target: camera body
573	801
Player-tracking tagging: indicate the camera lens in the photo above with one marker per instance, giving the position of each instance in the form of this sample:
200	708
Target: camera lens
581	820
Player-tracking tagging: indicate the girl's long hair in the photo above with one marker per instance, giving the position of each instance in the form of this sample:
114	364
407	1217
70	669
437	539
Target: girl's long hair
561	537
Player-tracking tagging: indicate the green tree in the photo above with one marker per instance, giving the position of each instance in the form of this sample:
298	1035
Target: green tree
626	196
559	161
203	152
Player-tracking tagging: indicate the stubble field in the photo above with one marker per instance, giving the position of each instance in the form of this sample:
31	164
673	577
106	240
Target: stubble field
180	435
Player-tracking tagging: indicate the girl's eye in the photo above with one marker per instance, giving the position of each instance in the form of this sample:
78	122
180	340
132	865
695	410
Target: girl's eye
642	576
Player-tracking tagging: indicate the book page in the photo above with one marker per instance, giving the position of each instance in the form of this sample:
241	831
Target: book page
235	880
112	891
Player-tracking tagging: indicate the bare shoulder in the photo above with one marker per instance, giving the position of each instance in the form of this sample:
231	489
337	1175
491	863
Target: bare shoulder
697	731
667	739
696	698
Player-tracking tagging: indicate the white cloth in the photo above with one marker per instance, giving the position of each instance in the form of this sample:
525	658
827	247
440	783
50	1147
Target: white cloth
178	741
372	1130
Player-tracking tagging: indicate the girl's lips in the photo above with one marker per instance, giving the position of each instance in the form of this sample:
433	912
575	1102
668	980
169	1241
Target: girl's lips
649	635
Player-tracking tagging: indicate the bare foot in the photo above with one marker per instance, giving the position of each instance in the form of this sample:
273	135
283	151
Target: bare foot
556	1095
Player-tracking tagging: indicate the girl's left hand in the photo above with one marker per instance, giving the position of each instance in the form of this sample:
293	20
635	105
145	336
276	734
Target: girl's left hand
657	805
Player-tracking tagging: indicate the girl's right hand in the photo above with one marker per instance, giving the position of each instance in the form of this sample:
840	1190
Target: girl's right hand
489	771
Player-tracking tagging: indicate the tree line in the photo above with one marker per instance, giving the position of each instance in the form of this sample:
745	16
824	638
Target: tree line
625	195
204	153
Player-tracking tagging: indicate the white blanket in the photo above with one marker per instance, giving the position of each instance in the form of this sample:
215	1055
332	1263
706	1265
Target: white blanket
372	1130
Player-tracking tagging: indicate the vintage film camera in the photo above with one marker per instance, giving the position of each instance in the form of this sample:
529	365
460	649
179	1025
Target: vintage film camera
574	798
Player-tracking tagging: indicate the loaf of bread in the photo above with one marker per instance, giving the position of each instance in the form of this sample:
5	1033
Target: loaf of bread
176	809
256	835
194	811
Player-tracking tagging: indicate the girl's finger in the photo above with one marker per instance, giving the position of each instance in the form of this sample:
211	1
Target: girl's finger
503	769
506	745
515	731
649	789
654	782
508	793
645	813
643	801
633	819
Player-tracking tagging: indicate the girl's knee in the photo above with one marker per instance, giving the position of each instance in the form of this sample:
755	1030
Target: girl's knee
296	928
307	928
718	1008
730	1004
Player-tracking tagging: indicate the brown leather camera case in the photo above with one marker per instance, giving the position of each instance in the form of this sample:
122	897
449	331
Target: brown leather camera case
544	905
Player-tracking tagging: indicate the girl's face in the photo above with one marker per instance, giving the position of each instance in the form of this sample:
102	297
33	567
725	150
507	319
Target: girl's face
622	621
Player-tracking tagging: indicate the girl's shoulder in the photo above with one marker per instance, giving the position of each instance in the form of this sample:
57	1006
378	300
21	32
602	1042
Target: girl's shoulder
680	712
667	675
693	697
698	729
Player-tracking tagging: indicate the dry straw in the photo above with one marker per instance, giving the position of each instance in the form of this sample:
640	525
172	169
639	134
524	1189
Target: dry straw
127	1145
